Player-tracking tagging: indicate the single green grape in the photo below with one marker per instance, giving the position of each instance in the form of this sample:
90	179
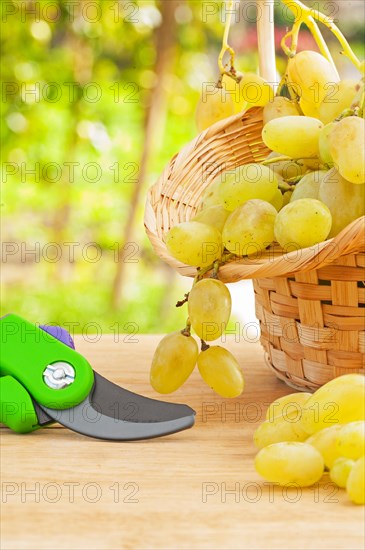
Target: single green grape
286	198
340	401
310	74
338	100
211	195
302	223
232	87
250	181
345	200
194	243
351	440
209	307
173	362
293	136
277	200
355	485
214	104
287	404
254	90
308	187
220	370
324	145
215	216
283	427
347	148
280	107
340	471
309	108
325	442
290	462
250	228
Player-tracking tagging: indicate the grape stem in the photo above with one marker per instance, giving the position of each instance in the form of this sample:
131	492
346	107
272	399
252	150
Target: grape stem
225	46
359	102
214	274
285	187
285	159
180	303
282	83
187	330
321	43
203	271
204	345
306	16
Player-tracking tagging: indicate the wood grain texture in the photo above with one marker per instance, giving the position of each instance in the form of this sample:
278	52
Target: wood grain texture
162	499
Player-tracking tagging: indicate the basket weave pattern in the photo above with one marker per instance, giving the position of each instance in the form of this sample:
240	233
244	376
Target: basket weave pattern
312	324
310	303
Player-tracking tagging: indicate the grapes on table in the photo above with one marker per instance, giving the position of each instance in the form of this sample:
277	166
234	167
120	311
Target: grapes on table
290	463
325	441
341	400
284	427
291	403
334	416
355	485
340	471
209	307
351	440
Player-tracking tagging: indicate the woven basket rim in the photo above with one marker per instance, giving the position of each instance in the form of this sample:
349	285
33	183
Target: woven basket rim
273	262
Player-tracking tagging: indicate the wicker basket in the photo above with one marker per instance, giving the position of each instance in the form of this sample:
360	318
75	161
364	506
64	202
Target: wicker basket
310	303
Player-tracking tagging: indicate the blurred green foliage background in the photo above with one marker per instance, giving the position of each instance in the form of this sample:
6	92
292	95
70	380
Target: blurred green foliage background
96	98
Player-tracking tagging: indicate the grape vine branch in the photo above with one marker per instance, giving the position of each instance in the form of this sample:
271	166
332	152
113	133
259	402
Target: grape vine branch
225	45
308	16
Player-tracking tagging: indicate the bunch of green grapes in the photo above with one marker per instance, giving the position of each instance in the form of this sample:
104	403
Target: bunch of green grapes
237	217
323	130
314	177
305	434
209	308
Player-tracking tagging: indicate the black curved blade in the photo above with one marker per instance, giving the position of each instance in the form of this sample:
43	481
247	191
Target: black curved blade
112	412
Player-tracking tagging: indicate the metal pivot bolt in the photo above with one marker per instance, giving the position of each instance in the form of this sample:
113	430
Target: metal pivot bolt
59	375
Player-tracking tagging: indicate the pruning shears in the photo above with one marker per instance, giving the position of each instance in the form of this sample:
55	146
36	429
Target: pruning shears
45	380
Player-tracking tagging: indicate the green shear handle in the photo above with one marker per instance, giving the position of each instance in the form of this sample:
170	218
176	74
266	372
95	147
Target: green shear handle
27	356
17	409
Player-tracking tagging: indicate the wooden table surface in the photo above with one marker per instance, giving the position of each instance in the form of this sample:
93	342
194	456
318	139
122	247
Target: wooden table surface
195	489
